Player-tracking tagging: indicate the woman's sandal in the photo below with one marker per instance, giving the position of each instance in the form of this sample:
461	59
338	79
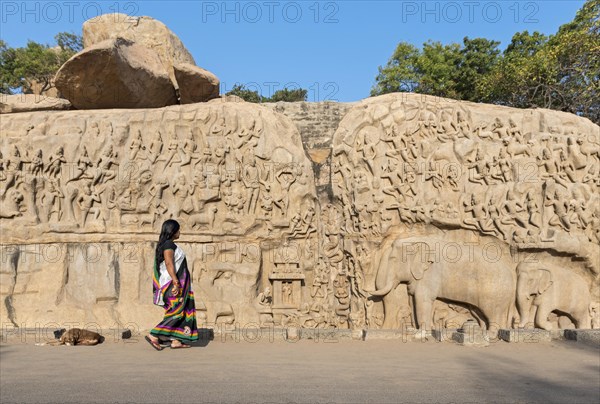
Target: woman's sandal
155	344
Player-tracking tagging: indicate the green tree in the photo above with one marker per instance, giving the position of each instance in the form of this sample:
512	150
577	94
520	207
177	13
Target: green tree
523	75
400	73
576	50
437	67
247	95
560	72
35	63
285	94
477	58
288	95
70	42
444	70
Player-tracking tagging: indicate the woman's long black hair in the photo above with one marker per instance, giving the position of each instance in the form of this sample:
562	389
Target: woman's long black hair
169	229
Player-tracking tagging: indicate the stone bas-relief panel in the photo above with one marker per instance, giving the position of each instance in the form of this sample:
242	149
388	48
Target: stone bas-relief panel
434	212
516	192
220	169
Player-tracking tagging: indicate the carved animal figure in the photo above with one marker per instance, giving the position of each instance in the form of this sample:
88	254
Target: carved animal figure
545	288
470	278
206	219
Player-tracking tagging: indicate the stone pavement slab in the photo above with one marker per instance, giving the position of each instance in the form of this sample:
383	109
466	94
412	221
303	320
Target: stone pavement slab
305	371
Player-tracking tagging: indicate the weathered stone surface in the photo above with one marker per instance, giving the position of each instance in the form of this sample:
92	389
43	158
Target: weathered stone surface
116	73
195	83
590	337
528	335
435	212
316	122
82	205
31	102
471	334
145	31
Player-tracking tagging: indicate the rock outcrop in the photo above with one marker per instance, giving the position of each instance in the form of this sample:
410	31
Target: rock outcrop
195	84
145	31
97	185
116	73
31	102
464	210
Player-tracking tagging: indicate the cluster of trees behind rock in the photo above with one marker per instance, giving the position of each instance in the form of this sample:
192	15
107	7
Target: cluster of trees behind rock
559	71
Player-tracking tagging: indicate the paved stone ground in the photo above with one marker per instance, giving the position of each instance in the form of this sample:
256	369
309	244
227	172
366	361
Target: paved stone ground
380	371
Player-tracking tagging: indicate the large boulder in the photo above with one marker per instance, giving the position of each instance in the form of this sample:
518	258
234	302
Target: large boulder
31	102
116	73
195	83
145	31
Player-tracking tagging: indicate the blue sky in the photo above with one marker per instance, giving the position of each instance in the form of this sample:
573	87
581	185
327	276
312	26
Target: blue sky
331	48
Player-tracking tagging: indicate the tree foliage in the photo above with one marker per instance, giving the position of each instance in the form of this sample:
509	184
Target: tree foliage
560	71
35	63
437	69
286	94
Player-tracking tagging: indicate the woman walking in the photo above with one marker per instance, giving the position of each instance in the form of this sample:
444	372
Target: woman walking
172	287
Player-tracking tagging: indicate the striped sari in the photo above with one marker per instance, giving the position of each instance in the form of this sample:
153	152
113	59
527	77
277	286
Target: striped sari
179	321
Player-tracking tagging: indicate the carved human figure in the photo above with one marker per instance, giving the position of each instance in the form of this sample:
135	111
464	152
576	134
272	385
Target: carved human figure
574	153
156	191
446	130
514	131
12	205
480	219
36	167
535	217
463	125
187	149
55	162
504	166
84	163
511	210
136	145
285	176
250	179
286	291
434	175
183	193
85	201
560	206
499	129
495	217
104	170
50	200
550	167
577	207
481	168
172	149
14	170
426	125
155	148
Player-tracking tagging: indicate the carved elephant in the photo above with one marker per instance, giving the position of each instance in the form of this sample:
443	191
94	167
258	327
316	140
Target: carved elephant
487	287
546	288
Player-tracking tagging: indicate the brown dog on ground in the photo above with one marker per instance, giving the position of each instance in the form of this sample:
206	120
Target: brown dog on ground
78	336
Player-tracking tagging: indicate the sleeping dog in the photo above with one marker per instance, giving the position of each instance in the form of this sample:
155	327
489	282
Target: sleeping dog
76	336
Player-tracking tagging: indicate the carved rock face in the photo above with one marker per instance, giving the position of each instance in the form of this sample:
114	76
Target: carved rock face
145	31
116	73
488	187
98	184
31	102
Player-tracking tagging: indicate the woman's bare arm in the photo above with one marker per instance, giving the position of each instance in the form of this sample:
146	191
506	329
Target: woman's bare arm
170	264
